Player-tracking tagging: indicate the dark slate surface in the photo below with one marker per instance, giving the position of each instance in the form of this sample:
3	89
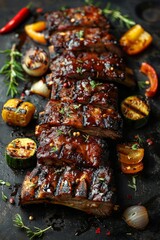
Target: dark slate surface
68	223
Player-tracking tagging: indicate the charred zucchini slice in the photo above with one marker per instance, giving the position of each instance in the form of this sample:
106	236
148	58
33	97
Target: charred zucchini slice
135	110
20	153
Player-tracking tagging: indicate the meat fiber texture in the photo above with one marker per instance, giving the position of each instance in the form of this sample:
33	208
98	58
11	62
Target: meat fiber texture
73	167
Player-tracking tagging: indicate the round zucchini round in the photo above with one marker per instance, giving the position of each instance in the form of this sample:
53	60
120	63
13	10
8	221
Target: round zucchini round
20	153
135	111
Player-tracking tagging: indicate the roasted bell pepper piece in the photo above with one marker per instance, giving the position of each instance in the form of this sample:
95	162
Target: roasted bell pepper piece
132	169
34	31
149	71
130	157
135	40
15	112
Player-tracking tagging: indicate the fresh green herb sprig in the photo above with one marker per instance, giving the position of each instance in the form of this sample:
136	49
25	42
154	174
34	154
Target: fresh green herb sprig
12	70
116	14
18	222
4	197
133	183
94	84
2	182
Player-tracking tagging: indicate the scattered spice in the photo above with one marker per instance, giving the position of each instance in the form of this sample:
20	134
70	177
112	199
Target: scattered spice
31	218
108	233
149	142
39	10
98	230
11	200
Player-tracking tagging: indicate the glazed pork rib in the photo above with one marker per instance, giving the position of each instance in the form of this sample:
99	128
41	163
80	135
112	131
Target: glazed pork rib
85	39
89	190
86	118
86	16
104	66
84	91
59	146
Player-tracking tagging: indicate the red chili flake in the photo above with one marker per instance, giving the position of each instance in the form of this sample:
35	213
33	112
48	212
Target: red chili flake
108	233
12	201
149	141
22	96
65	85
129	196
39	10
98	230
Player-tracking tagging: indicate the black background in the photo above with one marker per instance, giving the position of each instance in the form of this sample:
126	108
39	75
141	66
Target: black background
68	223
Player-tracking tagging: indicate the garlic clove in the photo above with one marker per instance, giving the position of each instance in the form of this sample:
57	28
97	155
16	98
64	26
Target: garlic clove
40	88
35	61
136	217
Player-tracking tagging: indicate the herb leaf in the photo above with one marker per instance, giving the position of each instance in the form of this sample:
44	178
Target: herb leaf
2	182
133	183
117	15
94	84
135	146
79	70
80	34
18	222
12	70
4	197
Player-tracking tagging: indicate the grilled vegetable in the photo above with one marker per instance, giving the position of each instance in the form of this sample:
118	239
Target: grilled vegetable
130	157
135	110
135	40
34	31
20	153
17	113
35	62
152	77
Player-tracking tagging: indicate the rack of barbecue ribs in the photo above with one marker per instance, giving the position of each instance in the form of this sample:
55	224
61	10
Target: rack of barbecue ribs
73	165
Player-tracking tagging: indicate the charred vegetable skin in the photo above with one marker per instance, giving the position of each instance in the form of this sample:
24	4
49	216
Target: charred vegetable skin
130	157
16	112
135	111
20	153
85	189
135	40
35	61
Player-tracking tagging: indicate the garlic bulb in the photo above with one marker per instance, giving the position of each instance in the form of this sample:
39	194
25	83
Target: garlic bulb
136	217
40	88
35	62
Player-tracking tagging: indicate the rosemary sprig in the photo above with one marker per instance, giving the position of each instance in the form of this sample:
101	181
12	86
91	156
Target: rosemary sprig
18	222
12	70
115	14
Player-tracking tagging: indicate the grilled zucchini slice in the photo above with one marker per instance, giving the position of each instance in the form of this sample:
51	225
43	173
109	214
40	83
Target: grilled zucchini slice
20	153
135	110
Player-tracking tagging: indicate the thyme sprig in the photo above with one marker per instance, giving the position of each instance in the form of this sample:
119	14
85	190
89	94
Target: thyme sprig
116	14
18	222
12	70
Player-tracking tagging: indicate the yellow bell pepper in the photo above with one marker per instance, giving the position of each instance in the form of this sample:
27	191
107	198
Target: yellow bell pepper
34	31
135	40
15	112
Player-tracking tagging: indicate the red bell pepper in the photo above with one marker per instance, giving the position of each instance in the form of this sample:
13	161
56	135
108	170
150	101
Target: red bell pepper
150	72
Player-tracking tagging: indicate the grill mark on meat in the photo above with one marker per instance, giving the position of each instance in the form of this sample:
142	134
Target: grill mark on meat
105	66
85	91
88	16
87	118
77	188
85	39
60	146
